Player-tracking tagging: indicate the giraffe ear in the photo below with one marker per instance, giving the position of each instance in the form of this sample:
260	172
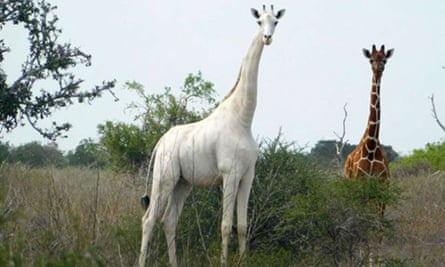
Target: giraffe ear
280	13
366	53
389	53
255	13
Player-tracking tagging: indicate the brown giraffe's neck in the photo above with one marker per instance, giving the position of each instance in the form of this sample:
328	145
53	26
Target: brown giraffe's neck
373	129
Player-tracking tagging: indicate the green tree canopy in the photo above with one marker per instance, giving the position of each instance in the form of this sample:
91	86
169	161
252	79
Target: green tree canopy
125	145
35	154
160	112
4	151
432	157
88	153
47	60
129	145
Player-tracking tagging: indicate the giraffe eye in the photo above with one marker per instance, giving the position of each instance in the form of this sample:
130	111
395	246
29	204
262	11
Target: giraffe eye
371	61
275	23
259	22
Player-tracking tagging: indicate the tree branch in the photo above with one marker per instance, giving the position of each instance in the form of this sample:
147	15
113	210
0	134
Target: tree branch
47	60
435	116
340	144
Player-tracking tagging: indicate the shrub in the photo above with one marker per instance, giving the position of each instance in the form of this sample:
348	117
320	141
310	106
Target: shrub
336	221
422	161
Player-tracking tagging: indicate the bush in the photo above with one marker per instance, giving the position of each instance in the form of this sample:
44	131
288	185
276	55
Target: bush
336	221
421	161
125	145
87	154
282	171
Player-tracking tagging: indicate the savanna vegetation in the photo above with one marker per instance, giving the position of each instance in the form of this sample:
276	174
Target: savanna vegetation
300	215
81	208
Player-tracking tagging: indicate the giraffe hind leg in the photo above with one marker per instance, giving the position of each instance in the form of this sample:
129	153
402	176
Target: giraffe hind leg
158	202
242	202
171	217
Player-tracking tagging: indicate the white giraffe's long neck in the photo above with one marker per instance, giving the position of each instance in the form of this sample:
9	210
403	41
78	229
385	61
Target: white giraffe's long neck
244	96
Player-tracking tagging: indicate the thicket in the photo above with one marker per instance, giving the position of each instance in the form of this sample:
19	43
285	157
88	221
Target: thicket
301	212
299	215
422	161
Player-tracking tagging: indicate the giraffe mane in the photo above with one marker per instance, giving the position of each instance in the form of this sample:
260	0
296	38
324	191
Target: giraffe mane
234	87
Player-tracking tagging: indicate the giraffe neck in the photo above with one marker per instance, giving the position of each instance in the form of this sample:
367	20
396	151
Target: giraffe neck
243	96
372	132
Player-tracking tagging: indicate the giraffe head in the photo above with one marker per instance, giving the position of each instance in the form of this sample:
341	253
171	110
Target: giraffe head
267	20
378	58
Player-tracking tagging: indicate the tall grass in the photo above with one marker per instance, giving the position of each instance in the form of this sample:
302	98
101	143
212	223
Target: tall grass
419	216
83	217
70	217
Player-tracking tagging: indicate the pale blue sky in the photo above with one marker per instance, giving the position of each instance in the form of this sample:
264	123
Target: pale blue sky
313	67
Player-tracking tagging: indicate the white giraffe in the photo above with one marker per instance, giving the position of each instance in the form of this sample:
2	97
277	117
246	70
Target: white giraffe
218	149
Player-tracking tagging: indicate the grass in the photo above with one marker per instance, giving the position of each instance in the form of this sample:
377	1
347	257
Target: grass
70	215
420	221
83	217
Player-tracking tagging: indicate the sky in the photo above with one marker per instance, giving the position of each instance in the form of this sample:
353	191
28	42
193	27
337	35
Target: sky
313	67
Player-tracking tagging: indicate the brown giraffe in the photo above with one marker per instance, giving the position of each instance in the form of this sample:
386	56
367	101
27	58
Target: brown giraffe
369	159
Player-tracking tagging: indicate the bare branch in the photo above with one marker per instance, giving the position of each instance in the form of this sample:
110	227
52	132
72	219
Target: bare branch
340	144
435	116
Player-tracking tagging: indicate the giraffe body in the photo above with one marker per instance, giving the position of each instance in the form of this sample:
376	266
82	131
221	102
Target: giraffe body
369	159
219	149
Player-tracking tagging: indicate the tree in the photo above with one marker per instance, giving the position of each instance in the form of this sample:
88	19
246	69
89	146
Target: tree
125	144
36	155
4	151
87	154
325	152
435	116
160	112
129	145
340	144
330	153
433	156
48	61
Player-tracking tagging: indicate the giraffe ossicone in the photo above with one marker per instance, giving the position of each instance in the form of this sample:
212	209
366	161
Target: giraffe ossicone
220	149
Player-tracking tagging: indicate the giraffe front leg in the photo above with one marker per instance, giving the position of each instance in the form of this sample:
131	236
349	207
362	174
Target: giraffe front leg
242	204
230	189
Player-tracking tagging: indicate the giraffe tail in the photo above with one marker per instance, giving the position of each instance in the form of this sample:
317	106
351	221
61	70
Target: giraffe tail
145	199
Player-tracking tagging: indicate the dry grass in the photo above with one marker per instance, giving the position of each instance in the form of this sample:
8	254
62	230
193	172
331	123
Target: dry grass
419	221
77	213
94	217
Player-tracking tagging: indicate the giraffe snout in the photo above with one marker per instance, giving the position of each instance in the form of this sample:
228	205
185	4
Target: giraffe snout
267	39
